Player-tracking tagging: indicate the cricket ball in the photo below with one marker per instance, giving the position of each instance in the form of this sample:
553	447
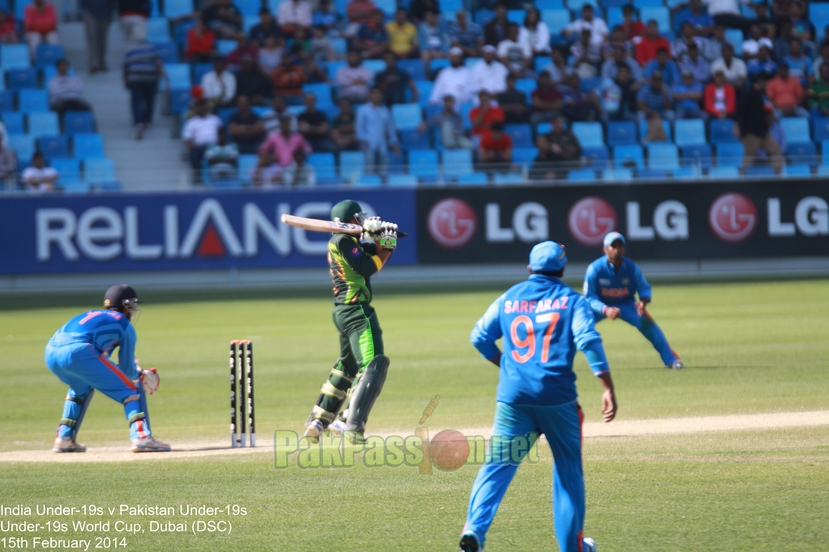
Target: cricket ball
449	450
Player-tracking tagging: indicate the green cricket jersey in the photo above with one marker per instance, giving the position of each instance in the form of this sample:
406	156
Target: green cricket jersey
352	263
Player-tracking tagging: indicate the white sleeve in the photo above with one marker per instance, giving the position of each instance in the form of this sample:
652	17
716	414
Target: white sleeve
543	37
188	133
437	90
601	26
230	87
502	48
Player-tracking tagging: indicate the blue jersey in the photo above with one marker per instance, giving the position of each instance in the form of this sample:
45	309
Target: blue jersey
543	323
605	285
103	330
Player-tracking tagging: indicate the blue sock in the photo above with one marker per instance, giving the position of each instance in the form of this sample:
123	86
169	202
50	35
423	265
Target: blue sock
138	429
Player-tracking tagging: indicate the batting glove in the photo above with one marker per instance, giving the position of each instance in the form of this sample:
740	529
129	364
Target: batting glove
373	225
388	236
150	380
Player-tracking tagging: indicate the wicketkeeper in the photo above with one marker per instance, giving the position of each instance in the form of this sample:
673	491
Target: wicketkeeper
362	366
79	355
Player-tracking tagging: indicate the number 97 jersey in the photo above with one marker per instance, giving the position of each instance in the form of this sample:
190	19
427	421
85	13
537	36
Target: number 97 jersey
543	323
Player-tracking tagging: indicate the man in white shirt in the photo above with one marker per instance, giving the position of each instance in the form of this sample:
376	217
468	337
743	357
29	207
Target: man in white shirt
732	67
39	178
200	131
219	85
751	47
489	74
597	26
517	57
293	14
455	81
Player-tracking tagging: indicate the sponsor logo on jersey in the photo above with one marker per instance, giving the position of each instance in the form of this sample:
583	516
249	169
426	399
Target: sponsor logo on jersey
732	217
604	282
590	219
452	223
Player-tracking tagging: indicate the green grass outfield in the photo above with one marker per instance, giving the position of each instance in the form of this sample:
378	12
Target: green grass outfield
750	348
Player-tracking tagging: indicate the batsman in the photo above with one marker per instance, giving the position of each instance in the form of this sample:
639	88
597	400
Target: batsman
357	378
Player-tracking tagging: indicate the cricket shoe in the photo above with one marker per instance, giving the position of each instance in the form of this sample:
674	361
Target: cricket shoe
313	431
354	436
149	444
67	444
337	427
589	545
470	543
676	365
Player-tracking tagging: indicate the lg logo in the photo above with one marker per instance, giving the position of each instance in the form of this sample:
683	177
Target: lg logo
590	220
452	223
732	217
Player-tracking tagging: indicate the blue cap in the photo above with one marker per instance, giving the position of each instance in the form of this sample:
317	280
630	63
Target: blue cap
548	256
612	237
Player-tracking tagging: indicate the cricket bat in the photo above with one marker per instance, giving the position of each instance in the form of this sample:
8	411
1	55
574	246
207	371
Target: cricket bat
317	225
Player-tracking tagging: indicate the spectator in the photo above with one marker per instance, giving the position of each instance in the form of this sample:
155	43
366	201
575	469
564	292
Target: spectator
720	98
419	8
751	47
542	167
610	68
455	81
344	127
687	95
687	37
244	48
558	68
277	151
466	35
8	162
485	114
273	118
223	18
650	44
270	54
654	101
514	102
597	26
8	28
496	30
450	125
40	24
696	64
695	14
201	43
619	96
359	12
535	33
354	78
546	100
733	68
578	105
314	127
321	47
66	91
821	59
631	28
200	131
762	18
617	40
402	35
801	27
489	74
496	147
727	13
222	158
288	79
799	63
712	48
219	85
819	94
372	40
133	15
142	71
96	15
252	83
516	57
38	178
299	174
376	133
394	82
564	145
326	16
786	94
586	55
665	65
246	128
293	15
762	64
433	39
266	27
753	126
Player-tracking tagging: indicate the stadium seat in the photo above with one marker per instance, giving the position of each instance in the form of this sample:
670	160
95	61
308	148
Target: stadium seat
730	154
617	175
86	146
99	171
54	147
180	30
465	109
451	6
647	3
333	67
13	56
424	92
521	134
6	100
167	51
352	164
796	130
540	63
374	65
406	116
224	47
660	13
248	7
823	170
180	99
819	17
797	170
43	123
598	157
436	65
414	67
78	187
19	79
415	140
556	19
760	171
721	131
527	86
75	122
483	16
324	164
471	61
582	175
368	180
735	37
653	174
543	128
322	91
158	30
550	4
591	84
473	179
724	173
179	75
247	165
228	184
576	5
689	132
803	152
69	170
24	146
614	15
340	45
590	135
424	164
177	8
621	133
686	173
623	155
508	179
643	130
456	162
664	157
516	16
820	127
524	156
48	54
13	121
402	181
699	155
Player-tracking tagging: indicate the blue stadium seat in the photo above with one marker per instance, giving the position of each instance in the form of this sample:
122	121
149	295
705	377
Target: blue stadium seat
550	4
69	171
13	121
797	170
99	171
471	61
180	30
75	122
576	5
721	131
180	99
23	145
456	162
368	180
415	140
556	19
179	75
521	134
802	152
730	154
527	86
621	133
823	170
406	116
617	175
735	37
352	164
653	174
374	65
248	7
543	128
819	16
591	84
167	51
6	100
482	16
820	127
48	54
508	179
699	155
524	156
414	67
22	78
639	4
324	164
724	173
177	8
54	147
643	130
582	175
590	135
13	56
158	30
227	184
663	157
247	165
424	92
598	157
224	47
540	63
86	146
43	123
451	6
760	171
402	181
473	179
516	16
689	132
2	79
396	162
796	130
614	15
622	155
333	67
660	13
466	108
686	173
322	91
225	113
77	187
424	164
340	45
436	65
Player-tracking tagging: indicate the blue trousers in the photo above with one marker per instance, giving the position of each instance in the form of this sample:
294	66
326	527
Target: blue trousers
647	327
82	368
561	425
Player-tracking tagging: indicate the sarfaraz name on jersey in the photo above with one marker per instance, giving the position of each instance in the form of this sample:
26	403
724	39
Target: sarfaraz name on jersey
544	305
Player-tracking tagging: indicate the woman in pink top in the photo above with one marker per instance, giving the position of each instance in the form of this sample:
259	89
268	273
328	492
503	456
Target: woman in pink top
40	24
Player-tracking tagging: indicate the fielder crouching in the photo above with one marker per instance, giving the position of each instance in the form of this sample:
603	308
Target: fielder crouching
79	355
362	366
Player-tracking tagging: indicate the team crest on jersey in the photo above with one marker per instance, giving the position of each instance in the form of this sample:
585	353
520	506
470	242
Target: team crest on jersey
355	251
625	281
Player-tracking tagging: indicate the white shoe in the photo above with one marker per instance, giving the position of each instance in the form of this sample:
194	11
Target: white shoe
149	444
589	545
676	365
67	444
337	427
313	431
470	543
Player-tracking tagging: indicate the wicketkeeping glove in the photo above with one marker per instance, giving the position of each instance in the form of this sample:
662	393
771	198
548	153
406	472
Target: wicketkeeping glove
150	380
388	236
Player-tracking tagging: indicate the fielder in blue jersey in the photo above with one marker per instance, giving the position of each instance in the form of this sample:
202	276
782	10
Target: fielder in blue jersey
543	323
611	284
79	355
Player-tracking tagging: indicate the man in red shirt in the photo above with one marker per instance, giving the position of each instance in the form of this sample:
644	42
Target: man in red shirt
546	99
630	26
288	80
40	23
786	93
650	43
496	146
201	43
485	114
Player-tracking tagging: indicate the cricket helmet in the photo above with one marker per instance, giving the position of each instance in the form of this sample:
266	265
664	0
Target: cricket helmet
121	296
346	210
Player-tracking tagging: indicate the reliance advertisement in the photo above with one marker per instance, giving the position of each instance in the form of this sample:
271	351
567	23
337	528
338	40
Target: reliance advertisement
43	234
659	221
